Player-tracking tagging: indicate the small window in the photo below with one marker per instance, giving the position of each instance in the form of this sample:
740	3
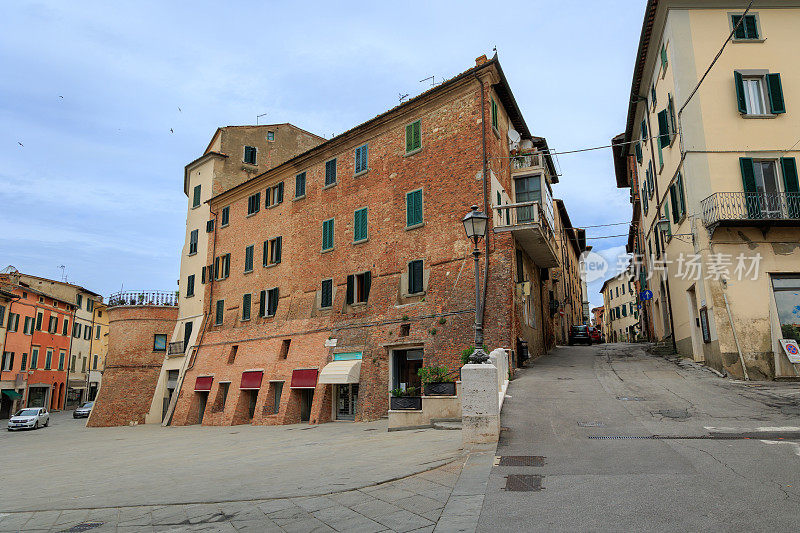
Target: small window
79	297
253	203
27	328
664	58
747	29
220	309
413	141
226	214
270	136
209	226
268	302
285	344
415	277
34	358
495	120
196	196
159	342
276	401
193	238
361	159
358	286
759	94
61	356
223	395
24	362
272	251
246	305
39	318
274	195
95	362
300	185
360	225
190	286
48	361
232	354
97	334
222	266
248	259
65	328
405	330
326	294
327	235
330	172
414	208
250	155
653	98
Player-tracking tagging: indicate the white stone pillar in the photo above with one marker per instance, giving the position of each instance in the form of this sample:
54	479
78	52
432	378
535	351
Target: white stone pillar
480	410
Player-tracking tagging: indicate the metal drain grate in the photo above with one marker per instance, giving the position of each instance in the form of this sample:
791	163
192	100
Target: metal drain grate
523	483
85	526
520	460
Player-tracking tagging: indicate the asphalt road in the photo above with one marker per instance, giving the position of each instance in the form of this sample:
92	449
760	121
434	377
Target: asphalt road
731	461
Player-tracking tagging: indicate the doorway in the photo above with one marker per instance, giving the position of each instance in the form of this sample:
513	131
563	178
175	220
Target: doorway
202	400
766	178
405	364
346	401
37	396
306	399
694	327
187	333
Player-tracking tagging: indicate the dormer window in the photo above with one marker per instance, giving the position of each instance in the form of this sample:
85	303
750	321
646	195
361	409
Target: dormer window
250	155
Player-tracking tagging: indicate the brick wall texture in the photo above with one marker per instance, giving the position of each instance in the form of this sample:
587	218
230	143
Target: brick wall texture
448	168
132	366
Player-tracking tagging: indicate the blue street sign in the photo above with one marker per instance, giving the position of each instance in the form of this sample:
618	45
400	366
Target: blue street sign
647	295
638	306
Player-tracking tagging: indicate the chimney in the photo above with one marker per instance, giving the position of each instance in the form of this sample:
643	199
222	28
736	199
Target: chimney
481	60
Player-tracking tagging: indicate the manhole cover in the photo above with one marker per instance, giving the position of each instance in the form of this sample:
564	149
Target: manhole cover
592	424
520	460
523	483
630	399
85	526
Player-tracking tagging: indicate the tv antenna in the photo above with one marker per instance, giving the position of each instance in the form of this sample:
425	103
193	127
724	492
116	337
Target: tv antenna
63	272
259	116
402	97
432	78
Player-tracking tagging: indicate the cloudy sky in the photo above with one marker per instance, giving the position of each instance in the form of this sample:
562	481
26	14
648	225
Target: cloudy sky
91	176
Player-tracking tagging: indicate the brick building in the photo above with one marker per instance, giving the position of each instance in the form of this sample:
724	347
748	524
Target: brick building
332	277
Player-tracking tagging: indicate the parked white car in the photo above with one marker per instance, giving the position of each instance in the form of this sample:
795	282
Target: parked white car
29	418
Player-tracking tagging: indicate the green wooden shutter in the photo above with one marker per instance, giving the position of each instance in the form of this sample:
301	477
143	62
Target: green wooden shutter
350	288
740	100
789	169
638	150
775	90
367	284
750	27
262	302
644	129
681	195
673	196
409	137
663	129
751	197
672	118
220	309
417	141
663	57
246	299
741	32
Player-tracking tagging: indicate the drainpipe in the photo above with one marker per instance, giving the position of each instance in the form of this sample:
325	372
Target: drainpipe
485	200
91	344
69	357
735	337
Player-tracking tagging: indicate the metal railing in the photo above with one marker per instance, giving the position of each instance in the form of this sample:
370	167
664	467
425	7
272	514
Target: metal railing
728	206
158	298
176	348
522	214
526	161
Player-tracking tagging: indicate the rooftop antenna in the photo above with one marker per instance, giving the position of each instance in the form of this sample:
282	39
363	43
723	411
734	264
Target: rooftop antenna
63	272
432	78
402	97
259	116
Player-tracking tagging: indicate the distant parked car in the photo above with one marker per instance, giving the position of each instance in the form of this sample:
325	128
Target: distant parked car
83	411
29	418
579	334
594	333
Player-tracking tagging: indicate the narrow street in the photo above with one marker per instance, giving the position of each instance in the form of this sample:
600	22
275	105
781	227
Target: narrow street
589	416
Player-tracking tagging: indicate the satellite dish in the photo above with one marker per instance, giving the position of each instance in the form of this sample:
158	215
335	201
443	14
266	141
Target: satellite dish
513	139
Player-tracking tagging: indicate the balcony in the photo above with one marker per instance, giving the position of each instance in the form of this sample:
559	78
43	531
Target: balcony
526	163
144	298
531	227
751	209
176	348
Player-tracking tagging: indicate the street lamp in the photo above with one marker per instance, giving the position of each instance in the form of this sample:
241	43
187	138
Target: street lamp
475	226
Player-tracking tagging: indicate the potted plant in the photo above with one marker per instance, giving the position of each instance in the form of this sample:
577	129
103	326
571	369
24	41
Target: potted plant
467	352
437	381
405	399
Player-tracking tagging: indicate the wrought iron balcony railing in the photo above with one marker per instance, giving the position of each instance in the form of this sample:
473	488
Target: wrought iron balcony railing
522	214
157	298
742	208
176	348
526	161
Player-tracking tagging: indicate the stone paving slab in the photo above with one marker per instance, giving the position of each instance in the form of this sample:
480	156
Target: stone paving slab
412	504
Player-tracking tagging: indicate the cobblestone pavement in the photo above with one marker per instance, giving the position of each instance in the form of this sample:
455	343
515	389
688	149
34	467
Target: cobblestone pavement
414	503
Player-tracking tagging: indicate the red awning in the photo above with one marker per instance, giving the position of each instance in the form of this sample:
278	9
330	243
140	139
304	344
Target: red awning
304	378
251	379
203	383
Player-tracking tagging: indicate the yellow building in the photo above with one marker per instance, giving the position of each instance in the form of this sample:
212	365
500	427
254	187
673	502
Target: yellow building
718	178
620	311
99	348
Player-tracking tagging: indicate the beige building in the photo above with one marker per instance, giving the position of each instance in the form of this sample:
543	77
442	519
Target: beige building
234	155
620	313
99	349
84	332
718	174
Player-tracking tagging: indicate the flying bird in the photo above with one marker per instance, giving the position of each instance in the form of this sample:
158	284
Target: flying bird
19	143
60	96
179	110
171	131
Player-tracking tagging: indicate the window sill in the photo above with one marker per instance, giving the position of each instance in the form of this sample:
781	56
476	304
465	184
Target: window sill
244	320
358	305
359	174
249	163
412	152
224	226
273	205
362	241
270	265
770	115
251	214
326	251
248	272
195	206
298	198
748	40
328	186
190	254
185	297
415	226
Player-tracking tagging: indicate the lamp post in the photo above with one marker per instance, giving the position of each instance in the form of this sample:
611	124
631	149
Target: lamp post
475	226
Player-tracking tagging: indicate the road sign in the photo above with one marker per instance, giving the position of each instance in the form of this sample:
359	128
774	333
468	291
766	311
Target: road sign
791	349
638	306
647	295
